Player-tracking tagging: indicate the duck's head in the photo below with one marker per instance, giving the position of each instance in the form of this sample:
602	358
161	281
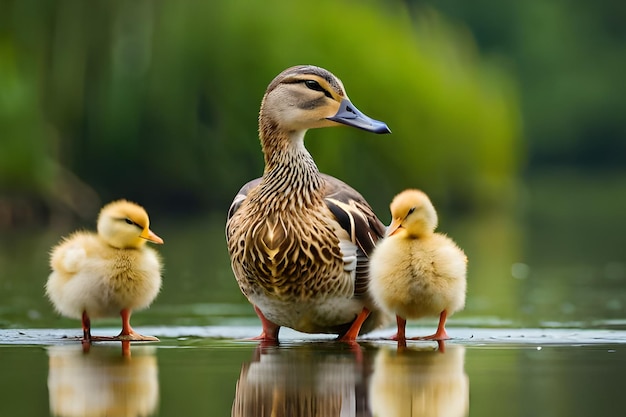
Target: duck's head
123	224
412	214
306	97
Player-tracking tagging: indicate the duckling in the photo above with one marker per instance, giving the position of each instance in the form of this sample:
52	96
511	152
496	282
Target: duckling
108	273
299	240
416	272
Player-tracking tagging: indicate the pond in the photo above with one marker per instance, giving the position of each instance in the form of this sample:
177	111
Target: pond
479	373
543	332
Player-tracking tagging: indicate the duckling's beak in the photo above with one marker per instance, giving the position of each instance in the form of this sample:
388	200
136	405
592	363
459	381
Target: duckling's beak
151	236
349	115
394	227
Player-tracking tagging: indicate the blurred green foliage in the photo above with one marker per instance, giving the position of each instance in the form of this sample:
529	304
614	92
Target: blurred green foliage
569	57
158	101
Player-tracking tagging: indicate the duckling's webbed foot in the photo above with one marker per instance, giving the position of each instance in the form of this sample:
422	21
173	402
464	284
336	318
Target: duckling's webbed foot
136	337
440	334
132	337
128	333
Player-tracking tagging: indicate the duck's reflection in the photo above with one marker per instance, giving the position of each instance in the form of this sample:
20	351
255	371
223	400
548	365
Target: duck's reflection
416	381
312	379
332	380
102	381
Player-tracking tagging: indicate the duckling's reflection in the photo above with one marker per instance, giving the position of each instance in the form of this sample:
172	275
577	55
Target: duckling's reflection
420	382
101	381
308	380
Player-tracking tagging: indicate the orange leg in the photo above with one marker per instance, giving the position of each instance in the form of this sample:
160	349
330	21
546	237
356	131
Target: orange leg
128	333
353	331
86	323
127	330
270	330
440	334
400	335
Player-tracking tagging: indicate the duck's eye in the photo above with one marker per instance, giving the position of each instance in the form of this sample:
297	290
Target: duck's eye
313	85
411	210
129	221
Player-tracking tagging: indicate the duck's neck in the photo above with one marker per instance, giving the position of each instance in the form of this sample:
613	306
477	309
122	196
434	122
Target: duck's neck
290	171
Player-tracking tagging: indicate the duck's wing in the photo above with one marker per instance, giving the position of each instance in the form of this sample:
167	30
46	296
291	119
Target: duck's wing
357	218
238	200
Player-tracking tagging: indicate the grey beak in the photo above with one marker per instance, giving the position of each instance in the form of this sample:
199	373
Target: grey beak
349	115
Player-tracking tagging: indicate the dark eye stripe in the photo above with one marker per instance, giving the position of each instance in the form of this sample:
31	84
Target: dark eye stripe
314	85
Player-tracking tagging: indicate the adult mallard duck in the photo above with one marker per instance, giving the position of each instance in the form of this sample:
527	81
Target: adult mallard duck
416	272
108	273
299	240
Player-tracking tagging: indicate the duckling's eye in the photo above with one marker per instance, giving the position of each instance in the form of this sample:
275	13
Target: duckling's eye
129	221
314	85
411	210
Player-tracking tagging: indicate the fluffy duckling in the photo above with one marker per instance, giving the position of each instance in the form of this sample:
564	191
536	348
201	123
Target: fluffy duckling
108	273
414	271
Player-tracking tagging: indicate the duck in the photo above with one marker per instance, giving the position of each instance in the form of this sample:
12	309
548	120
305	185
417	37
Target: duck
414	271
107	273
299	240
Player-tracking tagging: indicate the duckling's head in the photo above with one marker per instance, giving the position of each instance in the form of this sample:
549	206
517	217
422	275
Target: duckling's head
306	97
123	224
412	214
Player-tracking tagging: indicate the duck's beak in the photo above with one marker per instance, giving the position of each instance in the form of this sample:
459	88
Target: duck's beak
349	115
151	236
394	227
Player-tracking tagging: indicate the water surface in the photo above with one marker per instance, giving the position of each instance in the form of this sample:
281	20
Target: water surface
480	373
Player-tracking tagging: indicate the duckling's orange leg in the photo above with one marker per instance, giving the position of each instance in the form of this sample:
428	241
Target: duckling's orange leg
355	328
270	330
400	335
440	334
128	333
86	327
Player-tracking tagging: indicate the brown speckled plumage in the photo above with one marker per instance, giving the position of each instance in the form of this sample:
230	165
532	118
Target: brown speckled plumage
299	239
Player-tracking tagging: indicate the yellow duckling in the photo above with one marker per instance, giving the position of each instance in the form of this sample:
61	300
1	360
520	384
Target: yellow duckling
414	271
108	273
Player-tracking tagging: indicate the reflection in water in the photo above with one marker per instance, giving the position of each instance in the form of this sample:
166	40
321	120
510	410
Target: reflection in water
101	381
420	382
309	380
332	380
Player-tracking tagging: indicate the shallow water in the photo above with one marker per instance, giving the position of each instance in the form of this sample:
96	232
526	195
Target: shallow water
195	372
543	332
